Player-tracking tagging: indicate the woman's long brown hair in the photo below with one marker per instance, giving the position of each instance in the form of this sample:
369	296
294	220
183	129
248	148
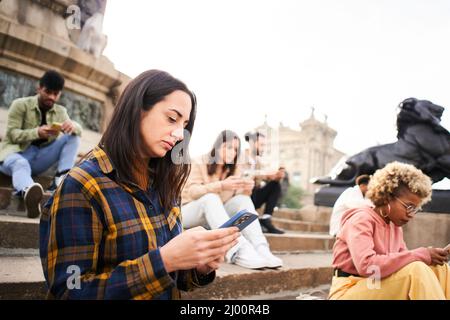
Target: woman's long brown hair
122	140
223	137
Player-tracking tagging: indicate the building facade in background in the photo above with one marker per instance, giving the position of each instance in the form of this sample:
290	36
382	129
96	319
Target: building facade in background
306	152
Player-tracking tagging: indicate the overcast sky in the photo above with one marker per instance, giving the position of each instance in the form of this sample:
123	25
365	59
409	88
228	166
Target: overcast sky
352	60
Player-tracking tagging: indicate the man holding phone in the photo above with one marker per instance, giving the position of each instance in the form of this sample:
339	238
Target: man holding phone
33	141
267	189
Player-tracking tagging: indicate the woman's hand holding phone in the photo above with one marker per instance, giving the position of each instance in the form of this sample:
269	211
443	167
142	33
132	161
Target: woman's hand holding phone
247	185
439	256
198	248
233	183
447	248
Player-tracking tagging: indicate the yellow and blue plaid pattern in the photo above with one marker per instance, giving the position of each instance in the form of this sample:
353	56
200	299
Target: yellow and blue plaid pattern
109	234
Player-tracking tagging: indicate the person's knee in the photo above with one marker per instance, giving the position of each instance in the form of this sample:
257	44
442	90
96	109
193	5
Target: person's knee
72	139
275	185
242	197
417	268
244	201
20	163
211	198
441	268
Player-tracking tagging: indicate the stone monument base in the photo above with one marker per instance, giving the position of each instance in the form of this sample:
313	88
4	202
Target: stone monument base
327	195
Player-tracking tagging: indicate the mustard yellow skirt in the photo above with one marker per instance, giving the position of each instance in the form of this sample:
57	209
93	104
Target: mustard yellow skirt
415	281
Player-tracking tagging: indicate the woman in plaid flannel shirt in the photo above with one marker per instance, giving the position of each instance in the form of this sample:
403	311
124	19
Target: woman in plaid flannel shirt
112	229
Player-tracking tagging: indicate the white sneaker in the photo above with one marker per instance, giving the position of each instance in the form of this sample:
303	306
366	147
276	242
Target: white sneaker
271	261
247	257
306	296
32	198
231	254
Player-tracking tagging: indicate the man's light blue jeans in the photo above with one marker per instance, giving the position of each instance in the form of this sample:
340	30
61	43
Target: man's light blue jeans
34	160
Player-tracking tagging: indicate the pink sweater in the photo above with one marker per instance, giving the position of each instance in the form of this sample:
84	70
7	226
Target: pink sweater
366	243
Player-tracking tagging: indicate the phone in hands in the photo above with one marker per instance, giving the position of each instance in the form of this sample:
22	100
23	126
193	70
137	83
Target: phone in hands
248	174
447	248
241	220
56	126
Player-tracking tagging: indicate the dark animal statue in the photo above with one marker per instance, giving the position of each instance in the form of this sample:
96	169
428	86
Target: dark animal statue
422	142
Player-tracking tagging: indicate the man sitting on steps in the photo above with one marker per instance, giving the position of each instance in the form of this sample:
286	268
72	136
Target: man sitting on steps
33	143
267	190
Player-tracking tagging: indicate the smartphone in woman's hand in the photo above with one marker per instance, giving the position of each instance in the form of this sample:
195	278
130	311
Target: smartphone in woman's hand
241	220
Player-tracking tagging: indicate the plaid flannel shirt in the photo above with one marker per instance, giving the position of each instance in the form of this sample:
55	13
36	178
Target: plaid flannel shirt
109	235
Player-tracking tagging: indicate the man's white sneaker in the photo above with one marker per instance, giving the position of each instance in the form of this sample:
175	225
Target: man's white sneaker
271	261
247	257
32	198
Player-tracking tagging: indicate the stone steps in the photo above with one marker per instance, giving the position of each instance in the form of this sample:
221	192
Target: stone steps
21	277
308	213
300	271
20	232
304	248
45	181
11	204
308	293
297	225
300	242
14	205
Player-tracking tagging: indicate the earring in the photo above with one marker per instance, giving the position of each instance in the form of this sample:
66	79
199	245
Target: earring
385	215
389	208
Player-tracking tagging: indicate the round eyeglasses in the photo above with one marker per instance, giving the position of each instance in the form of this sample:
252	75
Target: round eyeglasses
410	209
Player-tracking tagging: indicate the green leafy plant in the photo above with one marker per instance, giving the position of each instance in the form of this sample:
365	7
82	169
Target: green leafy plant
292	198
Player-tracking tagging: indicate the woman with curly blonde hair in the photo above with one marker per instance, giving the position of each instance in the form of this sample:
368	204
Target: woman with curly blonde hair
370	257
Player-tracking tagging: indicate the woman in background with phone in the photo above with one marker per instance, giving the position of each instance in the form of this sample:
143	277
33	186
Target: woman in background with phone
370	257
114	224
215	191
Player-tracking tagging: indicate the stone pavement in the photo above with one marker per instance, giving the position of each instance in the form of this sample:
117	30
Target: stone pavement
300	272
21	277
306	256
305	249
